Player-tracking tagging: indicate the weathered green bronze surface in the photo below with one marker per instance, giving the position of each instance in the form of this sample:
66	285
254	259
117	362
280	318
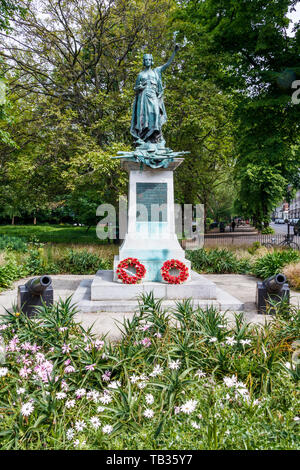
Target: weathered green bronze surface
148	117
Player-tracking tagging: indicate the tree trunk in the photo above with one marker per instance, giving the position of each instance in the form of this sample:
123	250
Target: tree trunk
13	220
34	221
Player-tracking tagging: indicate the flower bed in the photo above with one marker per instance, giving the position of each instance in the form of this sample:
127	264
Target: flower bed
204	385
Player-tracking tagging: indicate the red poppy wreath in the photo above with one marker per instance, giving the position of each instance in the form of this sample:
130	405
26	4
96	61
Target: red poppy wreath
174	264
128	277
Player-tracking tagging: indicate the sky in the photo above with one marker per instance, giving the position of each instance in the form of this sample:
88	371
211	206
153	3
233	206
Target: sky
295	16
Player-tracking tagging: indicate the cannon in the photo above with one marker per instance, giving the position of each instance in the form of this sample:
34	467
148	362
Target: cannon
271	290
35	293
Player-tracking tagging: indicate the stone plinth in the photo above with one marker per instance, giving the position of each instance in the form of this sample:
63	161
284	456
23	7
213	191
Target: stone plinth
105	288
151	236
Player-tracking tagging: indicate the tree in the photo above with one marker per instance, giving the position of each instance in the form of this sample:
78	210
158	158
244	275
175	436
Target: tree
249	55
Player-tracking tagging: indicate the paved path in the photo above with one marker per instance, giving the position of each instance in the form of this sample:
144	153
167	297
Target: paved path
242	287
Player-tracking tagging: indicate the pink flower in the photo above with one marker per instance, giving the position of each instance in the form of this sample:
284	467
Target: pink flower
146	342
69	369
44	370
25	372
13	344
66	348
91	367
106	376
67	362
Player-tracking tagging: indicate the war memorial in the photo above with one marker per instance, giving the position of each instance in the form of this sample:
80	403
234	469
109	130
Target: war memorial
150	258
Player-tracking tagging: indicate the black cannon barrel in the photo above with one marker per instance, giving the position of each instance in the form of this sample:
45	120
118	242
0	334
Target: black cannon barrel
37	285
275	283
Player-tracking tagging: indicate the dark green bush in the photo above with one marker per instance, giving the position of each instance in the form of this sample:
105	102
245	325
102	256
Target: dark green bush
12	243
10	271
219	261
274	262
82	262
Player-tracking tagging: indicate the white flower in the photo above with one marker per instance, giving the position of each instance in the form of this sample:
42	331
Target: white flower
149	399
213	339
80	392
221	326
156	371
231	341
20	391
141	385
134	378
95	422
93	395
60	395
115	384
105	399
200	374
148	413
80	425
27	409
296	418
189	406
288	365
195	425
107	429
3	371
175	365
100	409
70	434
76	442
70	403
230	381
245	341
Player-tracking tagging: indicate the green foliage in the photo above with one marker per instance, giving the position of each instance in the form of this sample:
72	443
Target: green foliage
34	263
82	262
206	385
217	261
52	234
268	231
12	243
10	271
274	262
243	47
254	247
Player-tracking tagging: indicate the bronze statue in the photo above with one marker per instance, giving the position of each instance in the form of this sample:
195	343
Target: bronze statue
149	113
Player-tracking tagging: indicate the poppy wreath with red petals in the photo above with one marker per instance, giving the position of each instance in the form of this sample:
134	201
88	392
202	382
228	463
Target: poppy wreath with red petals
174	264
128	278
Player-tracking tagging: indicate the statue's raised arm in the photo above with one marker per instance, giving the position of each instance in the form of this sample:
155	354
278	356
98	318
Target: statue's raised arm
167	64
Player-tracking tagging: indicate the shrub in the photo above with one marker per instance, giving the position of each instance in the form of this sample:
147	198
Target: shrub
10	271
34	263
82	262
292	272
268	231
253	248
274	262
12	243
220	261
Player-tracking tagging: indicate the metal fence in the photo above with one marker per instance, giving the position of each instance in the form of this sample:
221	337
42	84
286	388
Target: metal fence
243	239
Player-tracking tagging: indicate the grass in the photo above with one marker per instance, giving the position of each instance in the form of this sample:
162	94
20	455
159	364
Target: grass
53	234
206	384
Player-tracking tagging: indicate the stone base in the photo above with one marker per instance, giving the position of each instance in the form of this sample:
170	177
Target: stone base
103	295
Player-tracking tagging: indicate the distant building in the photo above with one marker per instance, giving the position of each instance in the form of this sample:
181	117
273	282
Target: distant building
294	209
281	212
